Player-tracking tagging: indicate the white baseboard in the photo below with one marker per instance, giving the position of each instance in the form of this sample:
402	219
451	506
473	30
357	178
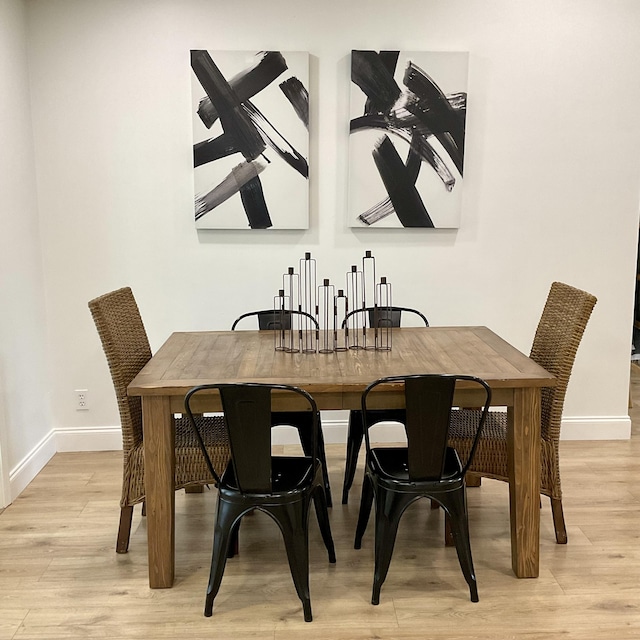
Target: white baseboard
596	428
334	430
31	465
89	439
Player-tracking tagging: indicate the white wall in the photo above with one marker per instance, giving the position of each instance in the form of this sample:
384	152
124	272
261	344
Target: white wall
25	426
551	174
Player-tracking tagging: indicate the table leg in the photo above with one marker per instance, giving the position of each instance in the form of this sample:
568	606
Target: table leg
523	446
159	472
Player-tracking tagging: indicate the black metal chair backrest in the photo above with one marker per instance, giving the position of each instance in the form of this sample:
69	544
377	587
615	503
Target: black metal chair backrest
276	320
384	316
247	414
429	400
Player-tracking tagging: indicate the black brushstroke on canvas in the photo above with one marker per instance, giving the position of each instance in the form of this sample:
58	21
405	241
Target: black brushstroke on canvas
230	185
254	204
407	127
214	149
433	109
245	129
270	134
416	114
400	185
246	84
298	96
389	60
233	118
372	75
385	208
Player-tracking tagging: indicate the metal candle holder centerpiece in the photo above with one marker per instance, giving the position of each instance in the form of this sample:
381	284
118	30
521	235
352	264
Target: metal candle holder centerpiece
308	318
326	320
356	325
308	302
369	297
382	316
340	311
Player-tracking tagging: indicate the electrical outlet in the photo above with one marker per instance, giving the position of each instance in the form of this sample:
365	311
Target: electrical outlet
82	399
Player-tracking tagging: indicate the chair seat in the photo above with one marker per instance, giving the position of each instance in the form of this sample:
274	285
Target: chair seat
191	468
490	457
392	464
491	453
288	475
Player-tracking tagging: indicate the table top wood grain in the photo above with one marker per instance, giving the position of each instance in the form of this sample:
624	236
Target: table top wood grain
188	359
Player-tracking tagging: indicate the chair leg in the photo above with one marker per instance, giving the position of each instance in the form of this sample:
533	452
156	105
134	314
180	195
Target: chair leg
355	435
454	503
294	524
365	510
194	488
448	531
389	509
558	520
325	470
304	424
234	543
322	513
225	527
473	480
124	529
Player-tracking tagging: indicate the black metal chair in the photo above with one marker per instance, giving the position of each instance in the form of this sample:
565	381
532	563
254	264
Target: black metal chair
270	319
379	317
427	467
384	316
274	319
281	486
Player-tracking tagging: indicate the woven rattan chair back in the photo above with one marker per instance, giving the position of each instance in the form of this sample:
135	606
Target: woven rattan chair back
562	324
127	350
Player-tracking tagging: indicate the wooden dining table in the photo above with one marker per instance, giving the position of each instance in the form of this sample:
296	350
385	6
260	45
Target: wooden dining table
336	381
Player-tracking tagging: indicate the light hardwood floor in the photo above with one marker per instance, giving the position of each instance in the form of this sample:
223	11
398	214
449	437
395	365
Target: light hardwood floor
61	578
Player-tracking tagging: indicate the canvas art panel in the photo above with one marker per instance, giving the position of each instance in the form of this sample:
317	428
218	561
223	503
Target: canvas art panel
406	140
250	113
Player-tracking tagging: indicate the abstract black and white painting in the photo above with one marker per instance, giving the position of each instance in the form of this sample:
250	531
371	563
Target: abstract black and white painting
406	142
251	140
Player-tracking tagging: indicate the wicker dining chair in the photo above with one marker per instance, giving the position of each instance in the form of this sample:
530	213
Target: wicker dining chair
124	340
562	324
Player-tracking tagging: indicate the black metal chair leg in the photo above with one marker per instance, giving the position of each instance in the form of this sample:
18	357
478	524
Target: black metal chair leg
320	504
355	435
454	504
225	530
389	509
292	519
303	422
365	510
